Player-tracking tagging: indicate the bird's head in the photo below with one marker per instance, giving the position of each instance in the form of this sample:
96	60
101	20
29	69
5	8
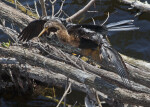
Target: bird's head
53	25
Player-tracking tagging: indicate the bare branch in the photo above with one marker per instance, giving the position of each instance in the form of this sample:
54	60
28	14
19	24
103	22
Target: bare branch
143	7
93	21
105	20
65	13
53	6
98	100
36	9
60	10
69	86
81	11
42	2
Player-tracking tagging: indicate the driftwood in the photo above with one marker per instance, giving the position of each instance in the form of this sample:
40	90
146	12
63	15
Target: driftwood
143	7
80	71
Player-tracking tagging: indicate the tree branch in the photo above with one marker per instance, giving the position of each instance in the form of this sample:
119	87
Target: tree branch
144	7
77	14
13	15
42	2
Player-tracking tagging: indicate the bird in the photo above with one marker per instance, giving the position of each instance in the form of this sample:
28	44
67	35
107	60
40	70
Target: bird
91	39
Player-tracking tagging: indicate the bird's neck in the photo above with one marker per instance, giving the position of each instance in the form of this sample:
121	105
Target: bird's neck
64	36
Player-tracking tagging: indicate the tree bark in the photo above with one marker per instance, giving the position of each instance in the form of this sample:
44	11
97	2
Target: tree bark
14	16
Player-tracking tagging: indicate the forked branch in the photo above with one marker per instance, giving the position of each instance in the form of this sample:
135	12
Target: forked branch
77	14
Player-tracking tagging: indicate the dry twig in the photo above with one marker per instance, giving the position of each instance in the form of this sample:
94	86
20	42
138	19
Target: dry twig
77	14
53	6
105	19
60	10
66	92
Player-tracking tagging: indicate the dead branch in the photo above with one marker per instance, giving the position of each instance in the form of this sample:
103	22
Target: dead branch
60	10
69	86
53	6
143	7
105	19
42	2
36	9
77	14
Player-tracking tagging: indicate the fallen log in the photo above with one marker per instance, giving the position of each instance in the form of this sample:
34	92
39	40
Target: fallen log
9	13
92	80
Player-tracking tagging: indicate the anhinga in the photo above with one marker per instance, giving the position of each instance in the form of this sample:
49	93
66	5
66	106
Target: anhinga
90	38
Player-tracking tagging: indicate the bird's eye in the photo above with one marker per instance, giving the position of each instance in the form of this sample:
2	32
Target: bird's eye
46	26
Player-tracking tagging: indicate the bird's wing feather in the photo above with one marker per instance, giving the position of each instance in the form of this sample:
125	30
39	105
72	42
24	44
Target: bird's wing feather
112	57
84	31
32	30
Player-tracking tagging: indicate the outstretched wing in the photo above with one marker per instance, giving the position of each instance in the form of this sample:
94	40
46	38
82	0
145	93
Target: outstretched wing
32	30
112	58
88	38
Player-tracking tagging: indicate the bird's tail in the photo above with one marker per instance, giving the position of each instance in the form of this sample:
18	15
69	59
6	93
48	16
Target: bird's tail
125	25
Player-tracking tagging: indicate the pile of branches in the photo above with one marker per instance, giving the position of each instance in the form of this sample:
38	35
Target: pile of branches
52	62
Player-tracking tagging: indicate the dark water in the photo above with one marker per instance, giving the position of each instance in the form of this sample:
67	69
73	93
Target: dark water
133	43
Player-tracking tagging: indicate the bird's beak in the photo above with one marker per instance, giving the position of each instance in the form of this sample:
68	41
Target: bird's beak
44	30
